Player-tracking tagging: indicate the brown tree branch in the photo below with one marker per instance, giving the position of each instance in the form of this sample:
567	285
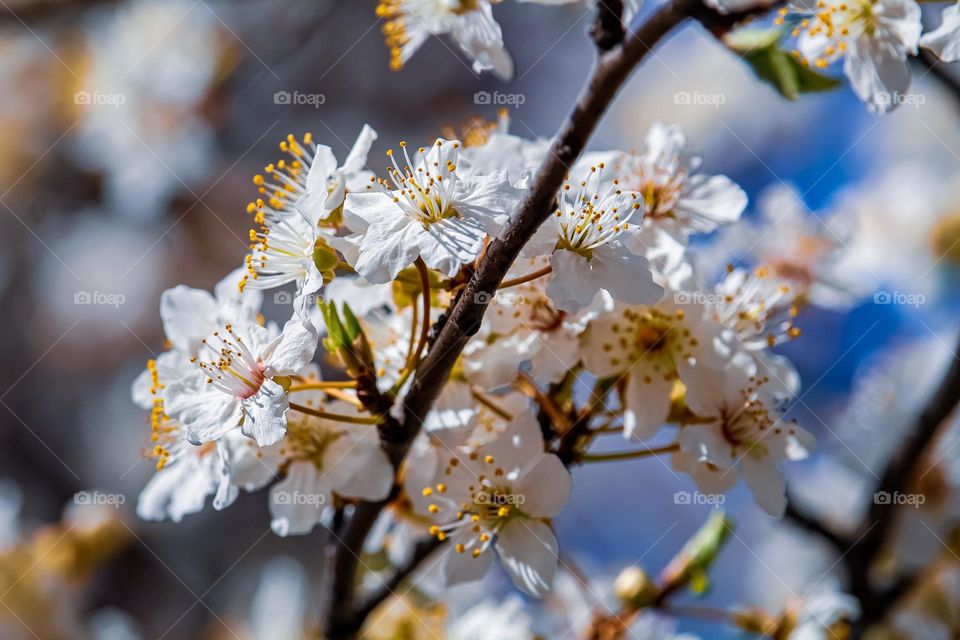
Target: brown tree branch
876	603
808	522
607	30
422	551
463	321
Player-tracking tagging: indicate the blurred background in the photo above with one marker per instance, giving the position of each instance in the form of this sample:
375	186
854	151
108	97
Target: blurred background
129	133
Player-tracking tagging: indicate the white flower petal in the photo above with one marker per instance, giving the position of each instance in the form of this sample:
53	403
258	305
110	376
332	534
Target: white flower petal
188	316
298	501
767	482
264	417
545	487
529	553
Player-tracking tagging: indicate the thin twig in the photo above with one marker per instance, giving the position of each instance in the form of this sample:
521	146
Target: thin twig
421	552
808	522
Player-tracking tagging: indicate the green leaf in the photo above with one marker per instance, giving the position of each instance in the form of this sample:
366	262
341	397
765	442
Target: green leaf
352	324
760	48
336	334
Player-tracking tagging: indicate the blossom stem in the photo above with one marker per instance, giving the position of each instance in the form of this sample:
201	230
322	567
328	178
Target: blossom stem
337	417
324	385
529	387
346	397
425	293
413	358
539	273
703	613
629	455
490	404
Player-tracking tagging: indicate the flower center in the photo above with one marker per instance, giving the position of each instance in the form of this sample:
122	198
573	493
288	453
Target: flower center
232	368
399	12
653	336
838	22
308	438
485	506
426	192
592	219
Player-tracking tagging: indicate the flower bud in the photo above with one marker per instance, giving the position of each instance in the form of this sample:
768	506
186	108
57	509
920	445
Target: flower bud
634	588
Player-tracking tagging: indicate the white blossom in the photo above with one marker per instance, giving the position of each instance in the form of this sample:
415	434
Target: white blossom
234	386
426	210
497	494
585	242
741	433
874	38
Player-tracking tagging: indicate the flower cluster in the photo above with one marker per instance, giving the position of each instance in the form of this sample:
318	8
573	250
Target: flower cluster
605	295
874	39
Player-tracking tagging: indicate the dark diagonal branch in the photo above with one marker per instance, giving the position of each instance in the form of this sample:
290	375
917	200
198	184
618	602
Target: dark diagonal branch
611	70
808	522
422	551
607	30
896	479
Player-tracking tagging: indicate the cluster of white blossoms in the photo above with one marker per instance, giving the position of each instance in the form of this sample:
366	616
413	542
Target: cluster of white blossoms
606	297
874	38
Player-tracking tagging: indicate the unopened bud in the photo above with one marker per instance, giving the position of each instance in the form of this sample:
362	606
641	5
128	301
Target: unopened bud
634	588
